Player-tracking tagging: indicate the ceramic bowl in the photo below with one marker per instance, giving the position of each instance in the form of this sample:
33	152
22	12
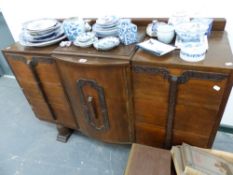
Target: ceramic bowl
193	52
191	31
165	33
206	21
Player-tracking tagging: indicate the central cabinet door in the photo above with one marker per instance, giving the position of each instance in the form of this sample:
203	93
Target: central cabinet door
99	93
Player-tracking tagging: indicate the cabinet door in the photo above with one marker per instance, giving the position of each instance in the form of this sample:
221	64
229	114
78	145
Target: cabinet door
38	77
172	106
99	93
197	111
150	92
21	65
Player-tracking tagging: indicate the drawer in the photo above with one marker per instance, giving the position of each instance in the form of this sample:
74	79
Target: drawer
149	135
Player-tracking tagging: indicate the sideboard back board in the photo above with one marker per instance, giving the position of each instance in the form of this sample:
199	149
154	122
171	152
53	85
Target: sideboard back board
128	95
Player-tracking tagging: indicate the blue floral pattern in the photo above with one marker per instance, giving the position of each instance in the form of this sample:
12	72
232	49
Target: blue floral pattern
127	32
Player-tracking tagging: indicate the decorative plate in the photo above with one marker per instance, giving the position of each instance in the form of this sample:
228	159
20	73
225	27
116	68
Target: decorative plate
43	44
107	43
40	24
44	33
107	20
53	36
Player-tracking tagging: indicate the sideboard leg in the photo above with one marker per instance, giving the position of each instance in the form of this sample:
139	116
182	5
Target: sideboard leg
63	133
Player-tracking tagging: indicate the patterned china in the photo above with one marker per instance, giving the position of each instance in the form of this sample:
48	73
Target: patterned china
107	21
73	27
192	52
40	24
41	32
85	39
107	43
127	32
191	31
26	43
106	26
165	33
151	29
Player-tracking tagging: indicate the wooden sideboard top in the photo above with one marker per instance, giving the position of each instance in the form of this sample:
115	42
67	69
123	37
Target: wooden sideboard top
120	52
218	56
18	48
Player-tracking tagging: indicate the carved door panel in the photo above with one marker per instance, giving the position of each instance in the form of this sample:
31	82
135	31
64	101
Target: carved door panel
197	111
189	110
38	77
98	91
23	68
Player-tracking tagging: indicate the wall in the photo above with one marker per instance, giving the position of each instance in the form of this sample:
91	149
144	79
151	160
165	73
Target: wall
16	12
6	39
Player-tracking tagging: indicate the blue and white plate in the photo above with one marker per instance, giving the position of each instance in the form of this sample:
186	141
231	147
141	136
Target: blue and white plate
43	33
52	36
107	21
107	43
40	24
26	43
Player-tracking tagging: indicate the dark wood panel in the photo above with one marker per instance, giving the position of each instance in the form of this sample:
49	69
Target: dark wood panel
65	116
19	65
114	82
191	138
41	109
149	134
197	106
150	98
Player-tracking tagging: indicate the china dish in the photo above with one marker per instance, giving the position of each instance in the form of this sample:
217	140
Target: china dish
193	52
26	43
156	47
151	29
106	26
52	36
40	24
191	31
85	39
107	21
107	43
41	32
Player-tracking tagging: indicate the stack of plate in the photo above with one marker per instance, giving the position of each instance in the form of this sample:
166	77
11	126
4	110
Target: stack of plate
106	26
85	39
41	32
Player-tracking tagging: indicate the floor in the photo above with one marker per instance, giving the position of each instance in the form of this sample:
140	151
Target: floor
29	147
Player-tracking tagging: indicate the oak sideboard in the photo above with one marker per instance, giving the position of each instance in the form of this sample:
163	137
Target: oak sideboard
127	95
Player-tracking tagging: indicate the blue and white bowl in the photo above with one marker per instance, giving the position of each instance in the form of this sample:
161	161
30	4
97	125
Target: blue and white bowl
127	32
73	27
191	31
193	52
